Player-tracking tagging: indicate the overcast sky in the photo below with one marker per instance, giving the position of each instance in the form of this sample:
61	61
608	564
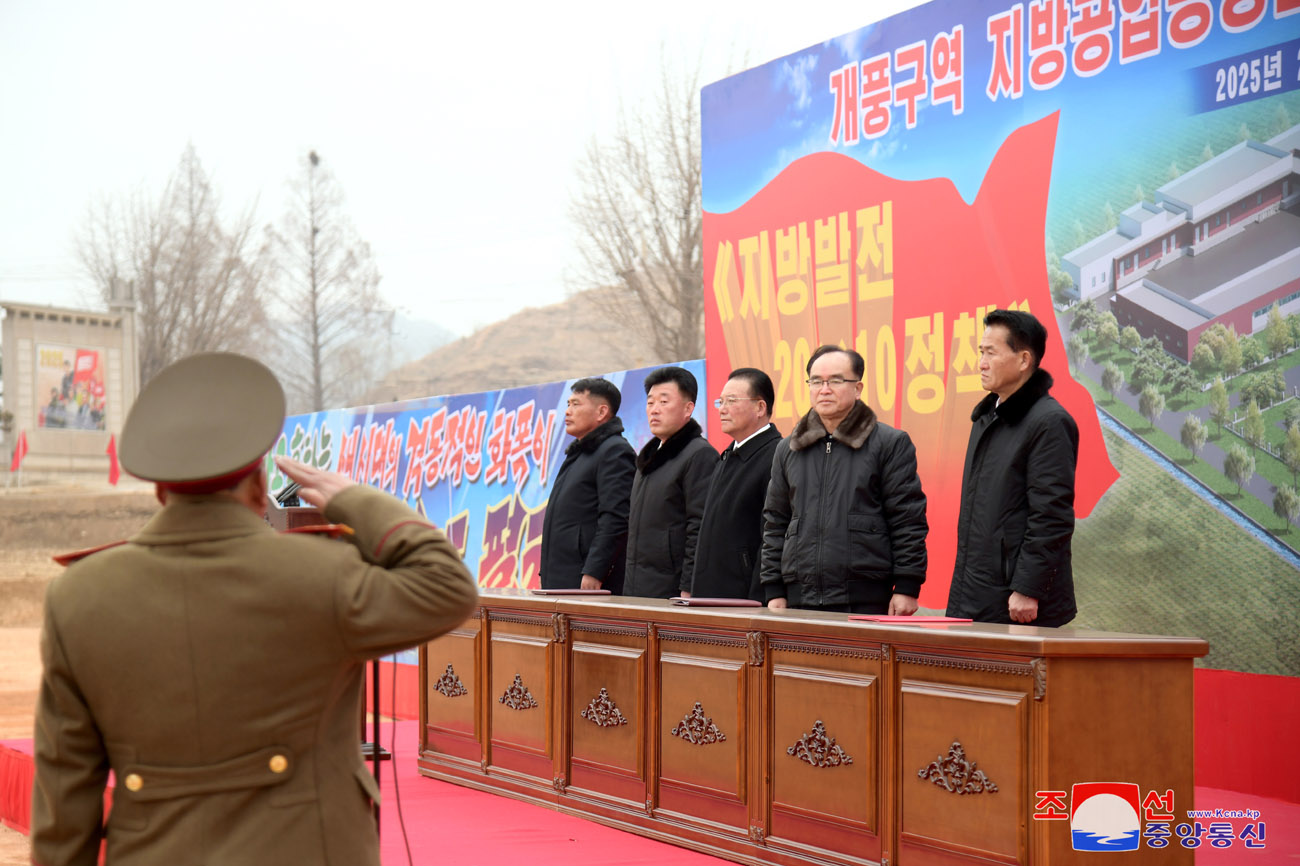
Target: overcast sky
454	129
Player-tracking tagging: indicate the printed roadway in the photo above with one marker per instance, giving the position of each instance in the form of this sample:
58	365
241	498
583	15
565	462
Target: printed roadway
1213	453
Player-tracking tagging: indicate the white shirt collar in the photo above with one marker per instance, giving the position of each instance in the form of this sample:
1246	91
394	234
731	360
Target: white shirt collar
751	436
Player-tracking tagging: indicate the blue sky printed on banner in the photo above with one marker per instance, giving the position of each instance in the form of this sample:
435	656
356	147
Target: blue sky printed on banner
757	122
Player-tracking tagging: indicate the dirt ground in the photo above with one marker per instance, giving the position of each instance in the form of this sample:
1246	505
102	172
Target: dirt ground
35	524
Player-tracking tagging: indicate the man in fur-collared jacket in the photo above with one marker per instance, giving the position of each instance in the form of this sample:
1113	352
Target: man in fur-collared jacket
669	491
1017	490
844	521
584	533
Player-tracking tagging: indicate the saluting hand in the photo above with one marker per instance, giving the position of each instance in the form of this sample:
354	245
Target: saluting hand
318	486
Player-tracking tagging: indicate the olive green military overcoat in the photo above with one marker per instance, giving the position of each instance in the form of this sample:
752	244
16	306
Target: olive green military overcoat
215	667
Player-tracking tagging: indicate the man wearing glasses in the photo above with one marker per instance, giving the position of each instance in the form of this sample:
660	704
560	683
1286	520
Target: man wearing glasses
844	521
726	561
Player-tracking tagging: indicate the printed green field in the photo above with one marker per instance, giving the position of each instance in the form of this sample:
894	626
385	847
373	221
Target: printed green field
1155	558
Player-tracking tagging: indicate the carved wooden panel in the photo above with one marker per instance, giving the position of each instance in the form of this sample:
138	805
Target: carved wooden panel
607	756
972	740
824	752
451	719
520	694
702	752
778	740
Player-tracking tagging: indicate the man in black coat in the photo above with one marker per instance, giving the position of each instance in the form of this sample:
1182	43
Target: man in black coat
726	560
1017	491
584	533
668	493
844	521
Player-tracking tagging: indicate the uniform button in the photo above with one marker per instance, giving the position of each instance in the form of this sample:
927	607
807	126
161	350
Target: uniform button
278	763
133	782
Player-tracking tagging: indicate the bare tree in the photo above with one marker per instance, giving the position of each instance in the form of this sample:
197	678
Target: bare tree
198	285
335	323
638	210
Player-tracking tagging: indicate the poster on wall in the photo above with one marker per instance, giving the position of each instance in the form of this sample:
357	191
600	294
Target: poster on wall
1126	171
478	466
70	385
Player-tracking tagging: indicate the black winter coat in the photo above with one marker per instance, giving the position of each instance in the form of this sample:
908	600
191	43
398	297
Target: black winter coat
726	560
668	493
845	513
1017	508
585	528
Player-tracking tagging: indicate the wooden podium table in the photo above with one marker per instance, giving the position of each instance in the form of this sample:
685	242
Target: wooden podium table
792	737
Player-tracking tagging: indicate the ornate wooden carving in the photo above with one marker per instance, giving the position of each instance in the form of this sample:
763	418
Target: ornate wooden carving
607	628
887	652
991	666
650	806
756	645
818	749
559	783
560	624
517	697
956	774
449	685
1039	667
697	728
756	834
601	711
820	648
702	638
519	618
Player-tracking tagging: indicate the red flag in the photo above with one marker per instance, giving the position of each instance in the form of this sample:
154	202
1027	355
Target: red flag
832	251
114	472
20	451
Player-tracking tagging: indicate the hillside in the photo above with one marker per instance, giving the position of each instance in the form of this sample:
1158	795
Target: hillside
537	344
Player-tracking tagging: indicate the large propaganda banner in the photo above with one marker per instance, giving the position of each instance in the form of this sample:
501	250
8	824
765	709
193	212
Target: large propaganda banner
70	384
884	189
479	466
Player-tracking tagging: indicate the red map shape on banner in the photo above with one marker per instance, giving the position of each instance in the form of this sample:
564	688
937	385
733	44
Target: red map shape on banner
833	252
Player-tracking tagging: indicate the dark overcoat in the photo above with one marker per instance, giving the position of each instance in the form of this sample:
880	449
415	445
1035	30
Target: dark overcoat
585	528
215	666
845	513
1017	508
668	493
731	534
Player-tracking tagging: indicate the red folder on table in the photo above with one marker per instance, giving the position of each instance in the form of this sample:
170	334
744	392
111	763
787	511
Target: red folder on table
872	617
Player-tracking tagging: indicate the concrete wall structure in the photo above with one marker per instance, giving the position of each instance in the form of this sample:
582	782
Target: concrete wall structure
28	327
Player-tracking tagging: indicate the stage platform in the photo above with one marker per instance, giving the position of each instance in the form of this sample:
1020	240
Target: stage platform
449	824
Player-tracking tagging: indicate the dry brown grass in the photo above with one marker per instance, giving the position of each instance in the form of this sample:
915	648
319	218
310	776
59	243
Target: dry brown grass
35	524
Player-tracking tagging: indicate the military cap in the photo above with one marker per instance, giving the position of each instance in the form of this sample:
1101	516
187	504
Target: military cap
203	423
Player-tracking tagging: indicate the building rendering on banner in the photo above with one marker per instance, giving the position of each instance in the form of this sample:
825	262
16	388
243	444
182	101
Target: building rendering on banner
1220	244
69	378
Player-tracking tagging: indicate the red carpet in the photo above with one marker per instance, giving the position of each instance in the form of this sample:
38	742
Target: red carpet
449	824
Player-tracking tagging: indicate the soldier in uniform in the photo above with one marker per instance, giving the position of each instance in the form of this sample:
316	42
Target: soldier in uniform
214	665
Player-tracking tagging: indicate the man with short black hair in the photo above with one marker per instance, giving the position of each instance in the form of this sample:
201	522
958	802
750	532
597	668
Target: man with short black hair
668	493
584	532
844	518
1017	491
726	560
